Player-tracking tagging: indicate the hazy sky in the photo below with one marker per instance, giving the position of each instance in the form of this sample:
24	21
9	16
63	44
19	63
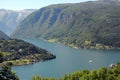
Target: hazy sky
32	4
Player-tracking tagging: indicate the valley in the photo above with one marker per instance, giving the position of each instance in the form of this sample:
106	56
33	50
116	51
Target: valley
90	25
65	41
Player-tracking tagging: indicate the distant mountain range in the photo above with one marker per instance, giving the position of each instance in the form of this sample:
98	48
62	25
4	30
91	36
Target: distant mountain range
3	35
92	23
109	0
10	19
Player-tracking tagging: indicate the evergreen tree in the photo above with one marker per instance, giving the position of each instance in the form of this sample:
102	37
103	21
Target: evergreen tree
1	57
7	74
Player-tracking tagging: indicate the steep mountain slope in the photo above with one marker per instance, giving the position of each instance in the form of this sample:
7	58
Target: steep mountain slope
83	24
3	36
10	19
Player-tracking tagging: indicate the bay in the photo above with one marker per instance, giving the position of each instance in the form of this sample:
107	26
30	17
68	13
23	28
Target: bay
67	60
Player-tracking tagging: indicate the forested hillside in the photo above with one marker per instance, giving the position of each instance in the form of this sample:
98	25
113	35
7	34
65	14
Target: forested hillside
93	24
19	52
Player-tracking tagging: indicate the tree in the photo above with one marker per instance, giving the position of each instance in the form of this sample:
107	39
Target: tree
36	78
1	57
7	74
93	75
102	73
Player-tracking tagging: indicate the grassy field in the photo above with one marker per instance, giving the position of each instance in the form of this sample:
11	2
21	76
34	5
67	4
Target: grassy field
52	40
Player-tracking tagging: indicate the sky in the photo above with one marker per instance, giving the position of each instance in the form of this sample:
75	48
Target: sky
32	4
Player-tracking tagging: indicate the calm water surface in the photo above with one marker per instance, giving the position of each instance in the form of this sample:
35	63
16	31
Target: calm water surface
67	60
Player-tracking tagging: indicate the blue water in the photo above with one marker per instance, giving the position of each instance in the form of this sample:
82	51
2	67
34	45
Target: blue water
67	60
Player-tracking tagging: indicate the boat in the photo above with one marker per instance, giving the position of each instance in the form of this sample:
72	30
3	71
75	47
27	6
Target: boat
112	65
90	61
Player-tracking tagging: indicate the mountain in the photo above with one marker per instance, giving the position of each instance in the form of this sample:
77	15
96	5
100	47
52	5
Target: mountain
9	19
109	0
3	35
89	24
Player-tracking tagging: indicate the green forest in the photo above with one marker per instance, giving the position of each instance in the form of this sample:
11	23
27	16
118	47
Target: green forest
19	52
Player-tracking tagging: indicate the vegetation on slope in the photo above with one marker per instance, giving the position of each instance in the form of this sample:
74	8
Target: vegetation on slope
18	52
97	22
7	74
100	74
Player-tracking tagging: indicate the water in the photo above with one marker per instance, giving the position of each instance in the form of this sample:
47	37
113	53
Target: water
67	60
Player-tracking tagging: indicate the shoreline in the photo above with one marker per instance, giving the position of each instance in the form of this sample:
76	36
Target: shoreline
23	62
19	52
96	47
